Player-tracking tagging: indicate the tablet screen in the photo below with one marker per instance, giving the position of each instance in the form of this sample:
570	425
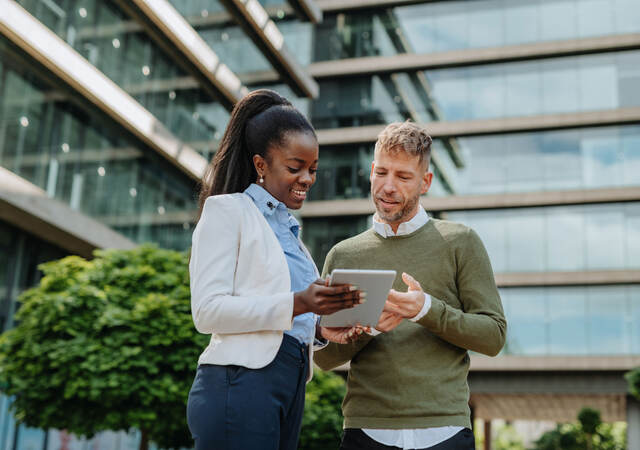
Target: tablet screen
376	283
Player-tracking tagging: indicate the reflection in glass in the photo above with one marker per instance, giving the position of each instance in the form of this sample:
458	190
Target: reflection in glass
120	49
514	89
84	160
585	320
527	333
559	238
568	322
456	25
549	160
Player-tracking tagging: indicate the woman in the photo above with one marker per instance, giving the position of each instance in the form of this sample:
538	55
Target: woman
254	287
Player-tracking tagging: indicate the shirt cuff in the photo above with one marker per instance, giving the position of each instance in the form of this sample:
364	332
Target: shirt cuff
319	344
373	332
425	308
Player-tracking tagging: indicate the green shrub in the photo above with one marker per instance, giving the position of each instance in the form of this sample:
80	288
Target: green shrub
588	433
322	420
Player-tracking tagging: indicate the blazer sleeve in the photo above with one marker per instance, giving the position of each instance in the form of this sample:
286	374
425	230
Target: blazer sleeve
212	269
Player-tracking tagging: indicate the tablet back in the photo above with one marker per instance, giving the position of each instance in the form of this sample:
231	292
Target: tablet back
376	283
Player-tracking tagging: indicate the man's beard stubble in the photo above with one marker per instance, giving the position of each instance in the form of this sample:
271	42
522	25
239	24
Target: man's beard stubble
402	215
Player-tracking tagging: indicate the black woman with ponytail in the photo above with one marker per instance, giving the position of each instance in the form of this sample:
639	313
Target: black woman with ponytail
254	286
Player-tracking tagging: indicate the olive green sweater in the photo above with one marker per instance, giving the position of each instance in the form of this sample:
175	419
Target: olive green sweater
415	376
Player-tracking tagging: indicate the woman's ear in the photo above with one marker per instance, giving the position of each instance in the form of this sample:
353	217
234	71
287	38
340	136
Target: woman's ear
260	164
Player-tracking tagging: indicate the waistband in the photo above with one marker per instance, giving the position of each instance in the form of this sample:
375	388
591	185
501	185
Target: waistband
289	340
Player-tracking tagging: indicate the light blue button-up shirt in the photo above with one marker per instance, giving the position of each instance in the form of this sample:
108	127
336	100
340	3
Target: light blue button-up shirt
301	268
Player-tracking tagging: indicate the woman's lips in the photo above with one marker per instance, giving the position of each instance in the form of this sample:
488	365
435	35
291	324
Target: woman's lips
299	195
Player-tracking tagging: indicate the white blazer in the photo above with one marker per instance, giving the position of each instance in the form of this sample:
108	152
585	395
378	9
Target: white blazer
240	284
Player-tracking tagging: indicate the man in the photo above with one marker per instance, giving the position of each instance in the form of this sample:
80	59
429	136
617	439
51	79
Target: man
407	386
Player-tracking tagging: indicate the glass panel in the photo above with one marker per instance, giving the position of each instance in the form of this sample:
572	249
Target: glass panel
633	319
565	254
574	238
585	320
608	310
453	25
525	310
549	86
84	160
550	160
116	46
30	438
567	321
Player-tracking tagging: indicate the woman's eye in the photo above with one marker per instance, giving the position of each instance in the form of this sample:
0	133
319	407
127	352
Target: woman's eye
312	171
292	169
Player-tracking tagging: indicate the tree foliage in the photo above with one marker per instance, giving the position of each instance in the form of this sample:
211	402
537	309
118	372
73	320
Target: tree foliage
508	439
106	344
633	378
322	420
588	433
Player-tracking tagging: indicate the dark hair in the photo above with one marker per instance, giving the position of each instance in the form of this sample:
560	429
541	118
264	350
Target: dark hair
261	120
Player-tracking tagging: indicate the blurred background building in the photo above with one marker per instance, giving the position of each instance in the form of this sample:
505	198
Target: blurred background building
110	110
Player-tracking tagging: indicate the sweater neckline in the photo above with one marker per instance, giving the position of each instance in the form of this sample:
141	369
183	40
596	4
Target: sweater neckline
404	236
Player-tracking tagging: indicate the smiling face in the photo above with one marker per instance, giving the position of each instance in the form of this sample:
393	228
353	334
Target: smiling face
397	181
289	170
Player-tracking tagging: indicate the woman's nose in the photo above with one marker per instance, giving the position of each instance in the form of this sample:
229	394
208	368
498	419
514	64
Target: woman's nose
306	177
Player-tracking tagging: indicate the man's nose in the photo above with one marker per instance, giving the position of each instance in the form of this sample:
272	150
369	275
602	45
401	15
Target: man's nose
389	186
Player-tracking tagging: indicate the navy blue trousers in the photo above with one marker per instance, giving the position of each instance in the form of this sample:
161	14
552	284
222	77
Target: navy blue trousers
236	408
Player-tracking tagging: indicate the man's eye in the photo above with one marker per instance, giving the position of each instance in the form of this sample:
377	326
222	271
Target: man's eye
380	173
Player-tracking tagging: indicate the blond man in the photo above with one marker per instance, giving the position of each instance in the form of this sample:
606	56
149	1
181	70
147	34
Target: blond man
407	385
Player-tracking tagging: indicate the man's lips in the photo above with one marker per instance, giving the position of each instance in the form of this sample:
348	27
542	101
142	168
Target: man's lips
388	202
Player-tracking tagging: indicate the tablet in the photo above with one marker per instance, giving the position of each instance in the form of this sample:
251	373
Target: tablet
376	283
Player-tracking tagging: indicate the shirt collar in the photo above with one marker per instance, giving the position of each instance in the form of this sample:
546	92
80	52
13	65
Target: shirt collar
384	229
269	206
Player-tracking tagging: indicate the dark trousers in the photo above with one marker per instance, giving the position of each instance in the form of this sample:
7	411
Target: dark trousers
356	439
235	408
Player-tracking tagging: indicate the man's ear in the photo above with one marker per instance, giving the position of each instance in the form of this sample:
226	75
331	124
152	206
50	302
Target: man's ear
373	165
426	182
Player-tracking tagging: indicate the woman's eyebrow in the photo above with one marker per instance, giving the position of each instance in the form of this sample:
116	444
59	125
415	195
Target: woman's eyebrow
301	161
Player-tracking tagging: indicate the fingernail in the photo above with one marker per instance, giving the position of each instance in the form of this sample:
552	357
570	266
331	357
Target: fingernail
362	300
353	288
359	331
363	295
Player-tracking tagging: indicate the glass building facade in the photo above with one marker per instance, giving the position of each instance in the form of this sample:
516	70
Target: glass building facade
56	139
514	89
456	25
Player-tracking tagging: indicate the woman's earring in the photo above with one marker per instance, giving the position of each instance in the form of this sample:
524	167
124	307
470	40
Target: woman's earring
261	179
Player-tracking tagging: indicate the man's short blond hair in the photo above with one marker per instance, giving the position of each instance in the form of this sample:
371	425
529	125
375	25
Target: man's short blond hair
407	137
